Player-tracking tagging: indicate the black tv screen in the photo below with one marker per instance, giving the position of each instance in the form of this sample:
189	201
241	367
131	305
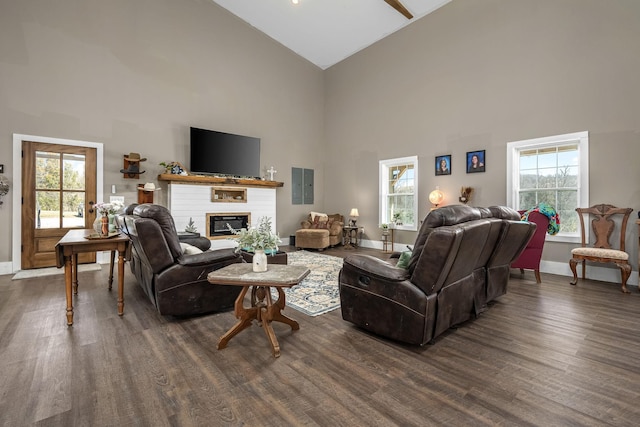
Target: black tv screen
220	153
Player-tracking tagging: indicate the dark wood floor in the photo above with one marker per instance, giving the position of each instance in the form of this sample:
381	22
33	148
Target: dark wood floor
546	355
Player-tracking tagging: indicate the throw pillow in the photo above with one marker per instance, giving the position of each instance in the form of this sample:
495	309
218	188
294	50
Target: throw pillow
403	262
314	215
320	222
325	225
188	249
315	222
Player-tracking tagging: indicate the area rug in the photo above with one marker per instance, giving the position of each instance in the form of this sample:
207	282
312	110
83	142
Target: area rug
50	271
318	292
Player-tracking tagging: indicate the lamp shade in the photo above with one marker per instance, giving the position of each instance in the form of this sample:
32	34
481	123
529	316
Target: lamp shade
354	213
436	197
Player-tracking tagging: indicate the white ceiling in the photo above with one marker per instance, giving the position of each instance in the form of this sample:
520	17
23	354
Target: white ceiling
327	31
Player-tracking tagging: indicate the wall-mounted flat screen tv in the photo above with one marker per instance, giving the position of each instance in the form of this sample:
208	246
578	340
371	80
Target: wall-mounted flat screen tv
220	153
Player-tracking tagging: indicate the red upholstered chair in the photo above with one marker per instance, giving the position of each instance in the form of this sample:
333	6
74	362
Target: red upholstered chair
530	257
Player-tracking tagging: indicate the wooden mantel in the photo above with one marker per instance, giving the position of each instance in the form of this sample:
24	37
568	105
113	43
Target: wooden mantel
203	179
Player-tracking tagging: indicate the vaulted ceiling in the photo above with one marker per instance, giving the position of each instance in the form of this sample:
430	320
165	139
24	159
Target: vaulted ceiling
327	31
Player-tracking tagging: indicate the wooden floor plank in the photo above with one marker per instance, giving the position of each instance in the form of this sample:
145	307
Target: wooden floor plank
543	354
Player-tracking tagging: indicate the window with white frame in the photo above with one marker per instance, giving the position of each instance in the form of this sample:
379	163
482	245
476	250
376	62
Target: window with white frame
553	170
399	192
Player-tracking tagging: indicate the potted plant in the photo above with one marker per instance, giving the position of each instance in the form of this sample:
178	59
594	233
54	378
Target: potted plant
191	226
260	240
395	220
385	229
173	168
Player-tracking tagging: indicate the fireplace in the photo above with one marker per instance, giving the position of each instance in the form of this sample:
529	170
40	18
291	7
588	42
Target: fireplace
217	223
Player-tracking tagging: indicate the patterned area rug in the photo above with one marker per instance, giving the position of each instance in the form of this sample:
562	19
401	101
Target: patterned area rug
318	292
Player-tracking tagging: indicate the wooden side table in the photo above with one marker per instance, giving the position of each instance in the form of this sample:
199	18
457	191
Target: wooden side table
78	241
385	241
263	308
387	244
351	235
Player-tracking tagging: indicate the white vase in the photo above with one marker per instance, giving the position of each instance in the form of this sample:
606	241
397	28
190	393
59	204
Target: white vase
259	261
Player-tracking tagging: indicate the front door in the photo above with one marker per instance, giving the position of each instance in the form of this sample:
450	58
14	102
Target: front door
58	193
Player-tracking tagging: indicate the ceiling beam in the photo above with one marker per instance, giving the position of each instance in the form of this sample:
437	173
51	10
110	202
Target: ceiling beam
399	7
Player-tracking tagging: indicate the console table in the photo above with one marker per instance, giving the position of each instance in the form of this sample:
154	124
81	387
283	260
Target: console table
263	308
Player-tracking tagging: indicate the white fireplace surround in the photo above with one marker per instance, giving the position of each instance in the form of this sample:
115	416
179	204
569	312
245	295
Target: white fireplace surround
193	201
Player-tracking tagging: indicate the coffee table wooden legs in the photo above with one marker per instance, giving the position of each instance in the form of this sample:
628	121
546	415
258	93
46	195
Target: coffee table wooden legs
275	312
263	311
245	315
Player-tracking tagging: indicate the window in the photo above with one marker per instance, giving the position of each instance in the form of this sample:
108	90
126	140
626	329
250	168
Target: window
554	170
399	192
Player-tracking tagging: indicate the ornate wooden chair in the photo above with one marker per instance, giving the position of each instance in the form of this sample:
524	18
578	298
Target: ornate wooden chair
603	226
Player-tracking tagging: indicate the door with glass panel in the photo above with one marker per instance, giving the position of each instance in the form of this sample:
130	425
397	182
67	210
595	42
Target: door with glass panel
58	193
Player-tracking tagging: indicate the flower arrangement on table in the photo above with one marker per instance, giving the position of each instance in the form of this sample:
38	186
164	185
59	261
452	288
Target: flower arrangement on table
256	238
105	209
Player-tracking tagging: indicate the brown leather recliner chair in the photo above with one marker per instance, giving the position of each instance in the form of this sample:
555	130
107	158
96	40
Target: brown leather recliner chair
175	283
459	251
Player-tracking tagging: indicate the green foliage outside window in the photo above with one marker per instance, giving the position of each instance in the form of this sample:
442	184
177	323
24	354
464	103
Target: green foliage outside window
49	185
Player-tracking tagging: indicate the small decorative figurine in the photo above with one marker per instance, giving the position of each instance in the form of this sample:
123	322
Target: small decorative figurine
271	172
465	195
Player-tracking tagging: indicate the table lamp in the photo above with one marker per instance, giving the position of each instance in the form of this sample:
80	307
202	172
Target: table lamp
436	197
354	216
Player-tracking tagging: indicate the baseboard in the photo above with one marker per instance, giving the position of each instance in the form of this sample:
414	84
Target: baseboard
594	272
101	258
6	267
377	244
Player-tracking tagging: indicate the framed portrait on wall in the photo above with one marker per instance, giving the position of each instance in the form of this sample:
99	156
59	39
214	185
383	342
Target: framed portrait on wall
443	165
476	161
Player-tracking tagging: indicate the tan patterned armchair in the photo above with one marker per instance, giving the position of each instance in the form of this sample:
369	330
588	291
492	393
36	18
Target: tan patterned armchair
320	231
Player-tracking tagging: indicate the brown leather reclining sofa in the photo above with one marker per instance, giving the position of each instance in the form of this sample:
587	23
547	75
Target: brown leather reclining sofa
175	283
460	262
